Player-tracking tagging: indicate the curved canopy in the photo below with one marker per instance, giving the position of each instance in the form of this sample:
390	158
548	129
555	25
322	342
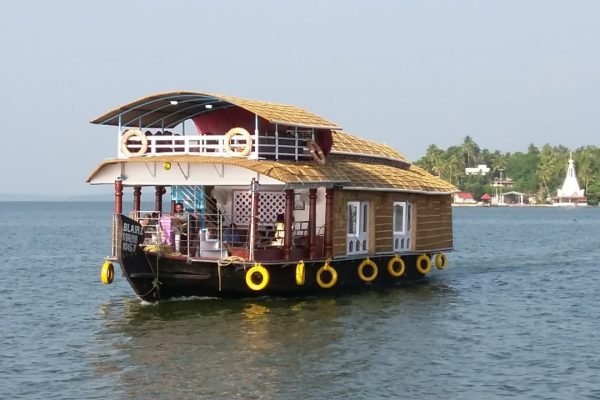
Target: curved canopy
167	110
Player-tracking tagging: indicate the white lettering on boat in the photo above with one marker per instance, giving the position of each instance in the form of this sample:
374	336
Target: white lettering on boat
130	237
137	229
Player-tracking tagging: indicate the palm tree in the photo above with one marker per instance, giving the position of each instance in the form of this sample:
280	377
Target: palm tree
548	167
498	161
434	160
586	164
454	162
455	167
470	151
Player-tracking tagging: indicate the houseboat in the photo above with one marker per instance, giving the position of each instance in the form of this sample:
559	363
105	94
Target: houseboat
263	199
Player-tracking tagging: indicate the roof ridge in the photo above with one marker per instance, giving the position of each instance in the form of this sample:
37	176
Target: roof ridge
353	146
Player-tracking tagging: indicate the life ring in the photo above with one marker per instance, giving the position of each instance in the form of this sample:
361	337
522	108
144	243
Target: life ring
129	134
361	270
107	273
441	261
260	271
227	142
396	267
316	151
300	273
334	276
423	269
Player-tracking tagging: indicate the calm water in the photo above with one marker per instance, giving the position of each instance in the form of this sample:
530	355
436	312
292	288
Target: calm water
514	316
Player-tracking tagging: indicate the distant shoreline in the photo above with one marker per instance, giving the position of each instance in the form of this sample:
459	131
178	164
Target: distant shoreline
29	197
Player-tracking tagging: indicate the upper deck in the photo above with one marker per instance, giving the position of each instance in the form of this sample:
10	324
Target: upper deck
223	126
223	140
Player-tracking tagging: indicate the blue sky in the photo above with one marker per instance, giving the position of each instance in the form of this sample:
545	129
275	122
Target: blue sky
409	74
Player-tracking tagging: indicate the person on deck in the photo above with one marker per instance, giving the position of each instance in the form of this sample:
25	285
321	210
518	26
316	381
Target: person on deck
279	231
148	228
181	218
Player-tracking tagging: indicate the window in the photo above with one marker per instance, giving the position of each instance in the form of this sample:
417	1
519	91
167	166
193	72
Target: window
402	214
352	218
358	227
399	209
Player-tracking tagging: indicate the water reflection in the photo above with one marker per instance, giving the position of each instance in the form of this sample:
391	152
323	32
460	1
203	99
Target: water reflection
212	348
254	348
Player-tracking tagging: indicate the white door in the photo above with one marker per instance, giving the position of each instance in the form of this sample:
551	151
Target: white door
402	226
357	241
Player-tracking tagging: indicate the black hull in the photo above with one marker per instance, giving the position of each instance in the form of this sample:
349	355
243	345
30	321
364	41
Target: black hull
155	278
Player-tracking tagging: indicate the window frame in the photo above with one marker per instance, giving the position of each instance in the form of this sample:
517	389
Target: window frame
404	206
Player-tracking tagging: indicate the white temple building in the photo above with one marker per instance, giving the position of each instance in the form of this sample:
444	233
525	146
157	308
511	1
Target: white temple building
570	194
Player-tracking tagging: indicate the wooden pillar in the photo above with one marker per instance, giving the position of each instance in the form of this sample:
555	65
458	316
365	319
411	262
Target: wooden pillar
329	222
158	198
173	202
288	224
312	223
137	199
118	196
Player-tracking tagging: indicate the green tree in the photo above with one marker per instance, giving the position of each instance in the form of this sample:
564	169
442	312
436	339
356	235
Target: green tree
586	164
454	165
538	171
548	169
433	161
522	168
470	151
498	161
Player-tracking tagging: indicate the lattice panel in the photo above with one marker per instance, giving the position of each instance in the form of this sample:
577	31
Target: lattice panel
269	205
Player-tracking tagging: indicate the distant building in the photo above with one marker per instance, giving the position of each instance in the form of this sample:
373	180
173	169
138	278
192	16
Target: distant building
570	194
481	169
506	182
464	198
513	198
486	199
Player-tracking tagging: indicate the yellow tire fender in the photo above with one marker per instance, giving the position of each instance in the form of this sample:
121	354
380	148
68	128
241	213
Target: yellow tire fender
361	270
423	264
260	272
107	273
300	273
326	268
396	267
441	261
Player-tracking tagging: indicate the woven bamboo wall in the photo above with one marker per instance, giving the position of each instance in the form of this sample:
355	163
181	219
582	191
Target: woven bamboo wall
432	222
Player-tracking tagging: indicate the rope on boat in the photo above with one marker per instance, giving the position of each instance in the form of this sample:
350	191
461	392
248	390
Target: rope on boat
230	260
226	262
155	282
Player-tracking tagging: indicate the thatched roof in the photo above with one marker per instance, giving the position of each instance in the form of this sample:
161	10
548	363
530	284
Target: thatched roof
351	146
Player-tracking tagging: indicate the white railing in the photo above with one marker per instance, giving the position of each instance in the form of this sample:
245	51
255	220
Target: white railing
269	147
